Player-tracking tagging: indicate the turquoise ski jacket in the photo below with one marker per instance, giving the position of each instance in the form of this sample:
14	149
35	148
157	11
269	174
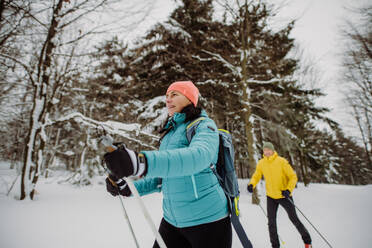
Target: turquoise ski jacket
181	171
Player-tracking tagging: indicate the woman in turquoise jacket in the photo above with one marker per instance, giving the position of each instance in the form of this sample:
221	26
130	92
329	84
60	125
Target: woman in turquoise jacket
195	210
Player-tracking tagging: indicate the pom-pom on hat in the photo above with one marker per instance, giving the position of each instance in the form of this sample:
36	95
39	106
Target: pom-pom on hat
186	88
268	145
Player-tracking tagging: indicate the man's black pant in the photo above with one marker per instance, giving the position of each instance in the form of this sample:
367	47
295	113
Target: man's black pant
272	209
216	234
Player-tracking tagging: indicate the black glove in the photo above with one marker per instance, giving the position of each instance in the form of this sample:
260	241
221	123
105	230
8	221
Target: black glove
117	186
124	162
286	193
250	188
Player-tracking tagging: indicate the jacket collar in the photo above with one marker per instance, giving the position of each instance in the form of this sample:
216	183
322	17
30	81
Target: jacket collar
271	158
203	113
179	118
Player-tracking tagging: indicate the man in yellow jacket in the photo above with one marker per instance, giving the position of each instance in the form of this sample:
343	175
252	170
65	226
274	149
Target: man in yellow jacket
280	181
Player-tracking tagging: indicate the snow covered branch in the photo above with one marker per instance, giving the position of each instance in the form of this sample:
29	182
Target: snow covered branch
111	127
227	64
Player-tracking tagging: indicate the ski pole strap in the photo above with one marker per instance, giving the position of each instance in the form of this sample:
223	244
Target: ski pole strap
236	206
239	228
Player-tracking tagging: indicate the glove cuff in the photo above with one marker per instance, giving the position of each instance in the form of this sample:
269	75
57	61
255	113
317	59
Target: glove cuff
121	183
121	187
138	162
142	165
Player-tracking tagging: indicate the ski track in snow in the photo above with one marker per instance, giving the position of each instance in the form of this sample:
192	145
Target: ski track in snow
63	216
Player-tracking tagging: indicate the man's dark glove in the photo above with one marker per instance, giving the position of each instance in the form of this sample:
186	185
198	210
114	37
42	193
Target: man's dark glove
124	162
250	188
117	186
286	193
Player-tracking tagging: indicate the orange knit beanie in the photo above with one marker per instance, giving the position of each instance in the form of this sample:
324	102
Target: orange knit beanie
186	88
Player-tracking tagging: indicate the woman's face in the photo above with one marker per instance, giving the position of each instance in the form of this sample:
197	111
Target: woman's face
175	102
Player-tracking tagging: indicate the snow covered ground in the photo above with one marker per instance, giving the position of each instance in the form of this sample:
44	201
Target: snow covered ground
77	217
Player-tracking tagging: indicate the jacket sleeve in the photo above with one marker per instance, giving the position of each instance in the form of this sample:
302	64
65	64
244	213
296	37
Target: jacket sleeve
290	174
148	185
202	151
257	175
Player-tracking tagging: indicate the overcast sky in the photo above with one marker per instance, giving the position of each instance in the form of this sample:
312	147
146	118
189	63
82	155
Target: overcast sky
318	32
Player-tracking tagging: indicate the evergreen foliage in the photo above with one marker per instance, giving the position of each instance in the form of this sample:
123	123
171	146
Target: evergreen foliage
191	45
246	76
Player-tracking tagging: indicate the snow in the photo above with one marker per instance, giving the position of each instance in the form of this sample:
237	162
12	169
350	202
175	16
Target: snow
174	27
63	215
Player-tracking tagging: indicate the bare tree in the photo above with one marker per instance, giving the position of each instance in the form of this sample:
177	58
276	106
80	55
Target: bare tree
13	22
52	47
13	18
357	64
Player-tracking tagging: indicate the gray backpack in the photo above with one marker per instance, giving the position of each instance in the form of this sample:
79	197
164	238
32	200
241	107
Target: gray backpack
225	173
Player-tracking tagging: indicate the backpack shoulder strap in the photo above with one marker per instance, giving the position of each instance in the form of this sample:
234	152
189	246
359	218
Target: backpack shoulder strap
232	201
224	130
191	128
240	231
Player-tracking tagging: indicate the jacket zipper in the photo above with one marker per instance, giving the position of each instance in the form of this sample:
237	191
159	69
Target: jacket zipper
194	187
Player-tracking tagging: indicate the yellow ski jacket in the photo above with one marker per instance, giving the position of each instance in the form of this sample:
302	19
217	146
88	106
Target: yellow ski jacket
278	175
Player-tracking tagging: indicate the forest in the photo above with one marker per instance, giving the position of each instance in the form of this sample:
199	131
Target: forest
67	77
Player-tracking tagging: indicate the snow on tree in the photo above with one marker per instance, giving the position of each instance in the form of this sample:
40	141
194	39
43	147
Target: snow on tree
53	44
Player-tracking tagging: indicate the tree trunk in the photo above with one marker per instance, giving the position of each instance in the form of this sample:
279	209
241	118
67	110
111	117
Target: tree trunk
369	134
33	155
362	133
247	111
53	155
28	158
303	168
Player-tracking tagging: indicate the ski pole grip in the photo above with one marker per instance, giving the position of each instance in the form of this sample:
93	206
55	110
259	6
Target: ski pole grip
108	141
110	148
112	182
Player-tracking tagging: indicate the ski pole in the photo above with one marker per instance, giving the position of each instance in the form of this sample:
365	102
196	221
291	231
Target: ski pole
281	241
136	195
128	221
289	199
108	143
125	213
110	148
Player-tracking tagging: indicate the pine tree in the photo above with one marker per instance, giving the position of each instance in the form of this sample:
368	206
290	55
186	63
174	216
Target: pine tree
351	163
237	66
226	59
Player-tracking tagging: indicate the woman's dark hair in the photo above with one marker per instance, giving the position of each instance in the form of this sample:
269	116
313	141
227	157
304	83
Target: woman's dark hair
191	112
